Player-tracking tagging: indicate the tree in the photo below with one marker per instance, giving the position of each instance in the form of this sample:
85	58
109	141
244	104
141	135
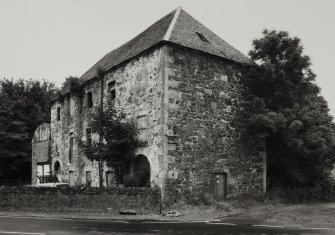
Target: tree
24	105
72	84
286	107
119	139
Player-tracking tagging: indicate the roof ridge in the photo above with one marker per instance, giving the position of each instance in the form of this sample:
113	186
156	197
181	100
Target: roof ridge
143	31
219	46
172	24
177	27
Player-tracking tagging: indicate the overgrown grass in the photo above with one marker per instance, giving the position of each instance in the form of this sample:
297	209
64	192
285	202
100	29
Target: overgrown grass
323	192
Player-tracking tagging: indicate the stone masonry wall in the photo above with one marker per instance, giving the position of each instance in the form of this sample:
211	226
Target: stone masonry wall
205	128
69	125
111	200
188	107
139	94
138	89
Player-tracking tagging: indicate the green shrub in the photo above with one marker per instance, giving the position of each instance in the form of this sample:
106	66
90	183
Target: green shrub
323	191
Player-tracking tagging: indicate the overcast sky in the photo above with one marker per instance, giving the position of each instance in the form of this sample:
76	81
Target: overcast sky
51	40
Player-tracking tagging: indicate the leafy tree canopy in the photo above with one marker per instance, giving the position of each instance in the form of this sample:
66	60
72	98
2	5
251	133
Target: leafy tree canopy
286	107
118	137
24	105
71	84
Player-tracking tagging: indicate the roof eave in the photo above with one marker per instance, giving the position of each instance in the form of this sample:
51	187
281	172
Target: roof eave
162	43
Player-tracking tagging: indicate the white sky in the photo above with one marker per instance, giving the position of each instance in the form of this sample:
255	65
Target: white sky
54	39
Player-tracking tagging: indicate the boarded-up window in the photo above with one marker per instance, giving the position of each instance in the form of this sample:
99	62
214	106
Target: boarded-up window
42	151
89	99
71	149
88	179
71	178
58	113
142	122
111	90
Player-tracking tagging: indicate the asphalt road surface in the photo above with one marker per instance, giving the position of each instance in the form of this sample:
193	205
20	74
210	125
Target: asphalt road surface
43	226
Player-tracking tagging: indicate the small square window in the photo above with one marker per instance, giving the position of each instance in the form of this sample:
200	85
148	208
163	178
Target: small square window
142	122
89	99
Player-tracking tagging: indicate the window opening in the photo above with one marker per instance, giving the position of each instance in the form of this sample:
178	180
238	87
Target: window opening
58	113
89	99
111	90
71	149
202	37
88	136
88	179
71	178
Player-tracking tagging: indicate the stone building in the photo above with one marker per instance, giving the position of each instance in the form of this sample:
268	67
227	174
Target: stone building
182	85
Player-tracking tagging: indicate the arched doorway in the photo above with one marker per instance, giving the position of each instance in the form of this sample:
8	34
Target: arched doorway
57	170
142	171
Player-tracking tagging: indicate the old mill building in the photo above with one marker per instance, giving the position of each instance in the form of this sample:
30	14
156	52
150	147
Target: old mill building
181	84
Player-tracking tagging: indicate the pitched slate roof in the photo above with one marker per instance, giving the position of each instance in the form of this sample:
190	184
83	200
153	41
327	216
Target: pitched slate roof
178	27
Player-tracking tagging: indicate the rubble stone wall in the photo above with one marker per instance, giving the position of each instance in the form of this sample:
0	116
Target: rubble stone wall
206	132
138	90
111	200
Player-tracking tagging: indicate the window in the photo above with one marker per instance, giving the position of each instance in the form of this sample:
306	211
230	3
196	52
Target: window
71	178
88	179
111	90
89	99
43	173
88	136
142	122
202	37
58	113
71	149
43	169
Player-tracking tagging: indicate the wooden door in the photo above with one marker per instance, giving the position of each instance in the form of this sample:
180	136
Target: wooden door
109	178
220	186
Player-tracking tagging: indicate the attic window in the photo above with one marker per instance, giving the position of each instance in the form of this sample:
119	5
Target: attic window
223	53
202	37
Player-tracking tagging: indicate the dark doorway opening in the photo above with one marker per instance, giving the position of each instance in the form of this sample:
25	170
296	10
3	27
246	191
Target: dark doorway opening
142	171
57	171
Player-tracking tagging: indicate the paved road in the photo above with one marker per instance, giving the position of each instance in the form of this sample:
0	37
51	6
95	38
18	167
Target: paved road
43	226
